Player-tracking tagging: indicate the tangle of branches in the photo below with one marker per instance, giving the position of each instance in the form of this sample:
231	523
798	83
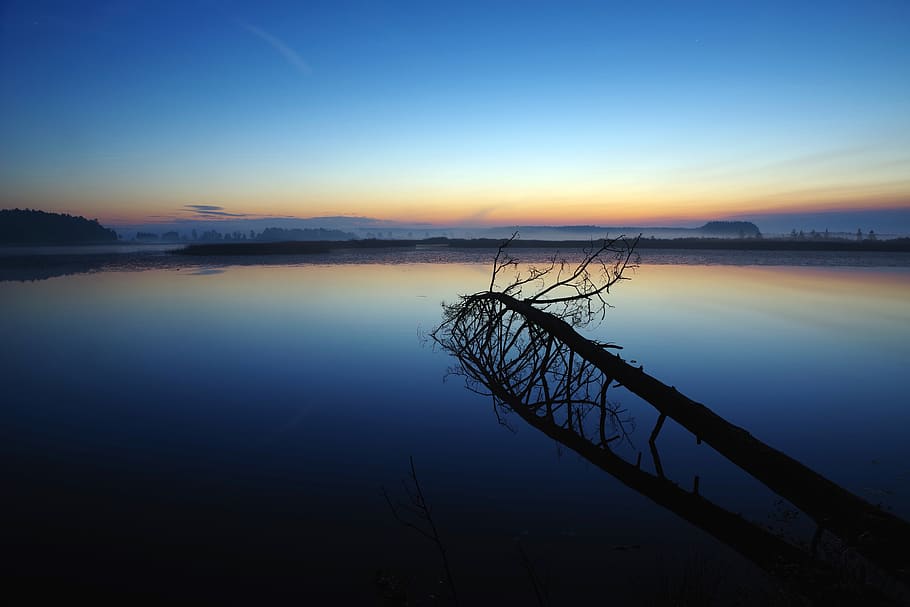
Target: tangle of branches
503	355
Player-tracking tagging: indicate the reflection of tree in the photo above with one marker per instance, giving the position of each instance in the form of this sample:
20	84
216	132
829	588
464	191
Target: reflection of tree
498	346
24	268
518	343
417	515
794	567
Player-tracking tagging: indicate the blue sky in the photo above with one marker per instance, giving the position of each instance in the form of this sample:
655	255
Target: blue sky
490	112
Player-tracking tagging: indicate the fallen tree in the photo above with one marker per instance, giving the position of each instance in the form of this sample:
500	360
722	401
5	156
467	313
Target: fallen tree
519	343
795	568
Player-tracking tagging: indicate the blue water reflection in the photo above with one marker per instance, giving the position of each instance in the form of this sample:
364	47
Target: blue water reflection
229	432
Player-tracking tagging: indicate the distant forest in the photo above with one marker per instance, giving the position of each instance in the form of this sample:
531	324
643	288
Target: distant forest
742	229
24	226
267	235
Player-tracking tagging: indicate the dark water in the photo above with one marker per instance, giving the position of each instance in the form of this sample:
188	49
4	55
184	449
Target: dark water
225	432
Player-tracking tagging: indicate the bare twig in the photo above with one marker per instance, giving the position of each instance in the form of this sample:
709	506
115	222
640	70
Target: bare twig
540	590
419	510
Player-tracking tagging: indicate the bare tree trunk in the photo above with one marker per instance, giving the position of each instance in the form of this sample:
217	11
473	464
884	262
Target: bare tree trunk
879	536
795	568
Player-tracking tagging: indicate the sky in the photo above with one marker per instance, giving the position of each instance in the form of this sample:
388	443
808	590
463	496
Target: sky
455	113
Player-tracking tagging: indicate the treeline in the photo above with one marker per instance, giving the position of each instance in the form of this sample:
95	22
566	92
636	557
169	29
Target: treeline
741	229
267	235
322	234
25	226
826	235
723	244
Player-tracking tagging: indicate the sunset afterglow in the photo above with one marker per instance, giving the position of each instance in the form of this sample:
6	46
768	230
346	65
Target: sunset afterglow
468	113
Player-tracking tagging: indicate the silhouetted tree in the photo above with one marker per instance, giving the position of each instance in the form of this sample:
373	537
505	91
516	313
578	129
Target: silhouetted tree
25	226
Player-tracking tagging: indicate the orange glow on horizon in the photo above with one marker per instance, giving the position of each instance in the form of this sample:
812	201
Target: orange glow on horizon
491	208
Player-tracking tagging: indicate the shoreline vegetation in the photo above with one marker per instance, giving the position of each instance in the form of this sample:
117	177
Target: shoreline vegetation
20	262
714	244
33	228
28	227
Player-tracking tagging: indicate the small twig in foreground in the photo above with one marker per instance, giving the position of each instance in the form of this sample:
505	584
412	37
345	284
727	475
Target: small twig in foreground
420	510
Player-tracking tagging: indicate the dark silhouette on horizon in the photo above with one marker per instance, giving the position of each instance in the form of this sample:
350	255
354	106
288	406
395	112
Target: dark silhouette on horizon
740	229
896	245
24	226
302	234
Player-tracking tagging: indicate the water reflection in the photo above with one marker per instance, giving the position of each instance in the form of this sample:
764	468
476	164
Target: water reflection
530	360
229	433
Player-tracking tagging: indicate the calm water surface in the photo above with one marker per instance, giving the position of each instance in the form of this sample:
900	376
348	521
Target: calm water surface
226	432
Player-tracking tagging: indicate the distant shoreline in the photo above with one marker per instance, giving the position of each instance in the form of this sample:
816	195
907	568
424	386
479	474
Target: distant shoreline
710	244
40	263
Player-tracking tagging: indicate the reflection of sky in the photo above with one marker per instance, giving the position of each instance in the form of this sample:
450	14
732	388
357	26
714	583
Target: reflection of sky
809	360
298	391
812	323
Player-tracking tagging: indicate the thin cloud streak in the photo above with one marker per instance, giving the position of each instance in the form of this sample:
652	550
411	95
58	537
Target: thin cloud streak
204	207
289	54
211	210
205	211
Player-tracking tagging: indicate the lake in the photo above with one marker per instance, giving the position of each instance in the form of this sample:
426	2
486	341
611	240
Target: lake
225	432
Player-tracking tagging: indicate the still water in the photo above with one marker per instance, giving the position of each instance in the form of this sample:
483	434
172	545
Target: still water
227	432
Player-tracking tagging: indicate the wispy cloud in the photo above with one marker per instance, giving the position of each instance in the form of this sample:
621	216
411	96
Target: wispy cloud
289	54
204	207
211	210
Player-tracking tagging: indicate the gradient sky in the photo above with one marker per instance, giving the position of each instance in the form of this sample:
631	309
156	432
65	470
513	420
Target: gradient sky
461	112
